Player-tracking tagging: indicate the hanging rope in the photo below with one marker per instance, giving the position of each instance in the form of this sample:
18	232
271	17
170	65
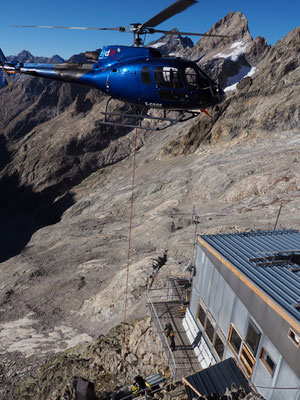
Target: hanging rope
129	236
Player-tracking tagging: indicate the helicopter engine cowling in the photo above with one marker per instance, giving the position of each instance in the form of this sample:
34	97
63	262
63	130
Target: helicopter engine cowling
114	54
91	55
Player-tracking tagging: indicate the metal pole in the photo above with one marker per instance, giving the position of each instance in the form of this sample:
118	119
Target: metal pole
277	216
195	219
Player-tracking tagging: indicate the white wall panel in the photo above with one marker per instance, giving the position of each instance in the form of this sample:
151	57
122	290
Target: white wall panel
213	289
207	280
194	303
218	298
286	378
226	309
240	316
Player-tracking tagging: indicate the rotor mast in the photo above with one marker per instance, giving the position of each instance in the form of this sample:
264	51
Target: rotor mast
137	40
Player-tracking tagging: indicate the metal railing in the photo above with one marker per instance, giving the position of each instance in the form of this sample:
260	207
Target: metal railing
166	348
168	296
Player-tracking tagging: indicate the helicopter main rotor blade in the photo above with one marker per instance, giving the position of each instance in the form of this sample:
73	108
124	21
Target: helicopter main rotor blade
176	32
173	9
120	28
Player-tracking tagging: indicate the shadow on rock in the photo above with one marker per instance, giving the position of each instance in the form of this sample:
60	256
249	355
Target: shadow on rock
4	153
23	212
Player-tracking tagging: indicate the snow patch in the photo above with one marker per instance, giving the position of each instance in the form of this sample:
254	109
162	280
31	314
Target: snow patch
239	49
21	335
159	44
252	71
234	80
236	44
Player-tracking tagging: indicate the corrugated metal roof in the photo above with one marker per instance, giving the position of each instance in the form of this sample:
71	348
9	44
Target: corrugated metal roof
216	379
276	280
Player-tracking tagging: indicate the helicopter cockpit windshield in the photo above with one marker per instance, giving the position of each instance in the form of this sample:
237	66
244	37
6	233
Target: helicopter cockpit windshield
195	79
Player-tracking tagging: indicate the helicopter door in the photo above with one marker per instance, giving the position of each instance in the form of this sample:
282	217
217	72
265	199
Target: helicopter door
146	76
148	93
170	84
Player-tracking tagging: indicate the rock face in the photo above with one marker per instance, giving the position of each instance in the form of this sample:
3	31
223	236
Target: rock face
263	104
107	362
234	25
229	59
65	187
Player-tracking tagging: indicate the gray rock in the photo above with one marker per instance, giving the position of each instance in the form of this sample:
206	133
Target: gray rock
244	84
256	51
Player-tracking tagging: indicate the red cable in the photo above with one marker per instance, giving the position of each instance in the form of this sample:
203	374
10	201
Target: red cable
129	237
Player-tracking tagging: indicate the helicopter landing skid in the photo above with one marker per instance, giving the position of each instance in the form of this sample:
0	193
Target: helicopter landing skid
138	119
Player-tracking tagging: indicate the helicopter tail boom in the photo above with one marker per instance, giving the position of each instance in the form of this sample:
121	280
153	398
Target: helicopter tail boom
62	72
67	72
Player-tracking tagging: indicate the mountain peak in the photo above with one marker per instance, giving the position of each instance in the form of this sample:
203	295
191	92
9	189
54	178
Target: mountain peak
234	25
26	57
172	44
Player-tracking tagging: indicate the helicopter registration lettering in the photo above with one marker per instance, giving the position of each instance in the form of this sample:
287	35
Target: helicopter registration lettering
110	53
158	105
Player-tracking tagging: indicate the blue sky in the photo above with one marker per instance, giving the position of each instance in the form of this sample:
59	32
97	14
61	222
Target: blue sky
271	19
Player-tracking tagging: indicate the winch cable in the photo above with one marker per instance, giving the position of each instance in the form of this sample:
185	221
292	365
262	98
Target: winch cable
129	236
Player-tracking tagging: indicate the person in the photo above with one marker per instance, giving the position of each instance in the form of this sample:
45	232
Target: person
140	385
170	334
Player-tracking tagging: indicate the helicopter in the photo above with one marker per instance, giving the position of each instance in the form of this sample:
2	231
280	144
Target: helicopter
136	75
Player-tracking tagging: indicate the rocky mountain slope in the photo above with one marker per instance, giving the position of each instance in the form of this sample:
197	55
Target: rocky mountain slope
107	362
65	188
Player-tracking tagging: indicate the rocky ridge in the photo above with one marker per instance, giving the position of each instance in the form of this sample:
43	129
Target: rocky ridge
65	192
262	104
26	57
107	362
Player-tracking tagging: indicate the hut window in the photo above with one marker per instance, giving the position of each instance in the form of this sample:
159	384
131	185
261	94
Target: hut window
219	346
201	315
267	361
294	337
252	337
247	360
234	339
209	330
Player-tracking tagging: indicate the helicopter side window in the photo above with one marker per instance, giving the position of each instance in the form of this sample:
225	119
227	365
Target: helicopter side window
145	75
168	77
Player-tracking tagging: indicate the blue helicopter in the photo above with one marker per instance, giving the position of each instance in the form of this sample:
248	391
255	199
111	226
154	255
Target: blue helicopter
137	75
